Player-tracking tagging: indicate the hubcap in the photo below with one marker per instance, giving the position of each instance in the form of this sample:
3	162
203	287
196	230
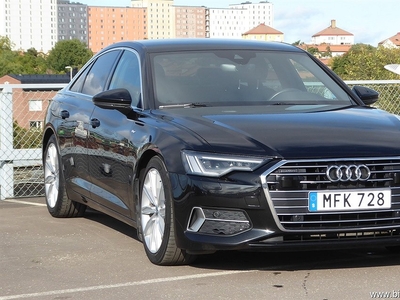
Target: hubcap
51	175
153	210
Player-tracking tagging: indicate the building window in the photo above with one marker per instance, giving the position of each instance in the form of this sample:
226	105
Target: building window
36	124
35	105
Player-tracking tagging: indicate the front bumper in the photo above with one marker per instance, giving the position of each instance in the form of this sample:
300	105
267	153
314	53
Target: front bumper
268	209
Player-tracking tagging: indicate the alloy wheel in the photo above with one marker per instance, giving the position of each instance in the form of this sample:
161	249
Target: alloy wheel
153	210
51	175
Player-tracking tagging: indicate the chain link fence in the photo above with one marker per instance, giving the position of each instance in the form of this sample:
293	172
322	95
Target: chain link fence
23	108
389	93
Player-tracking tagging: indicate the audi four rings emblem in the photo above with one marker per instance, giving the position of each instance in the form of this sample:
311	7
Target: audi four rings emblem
346	173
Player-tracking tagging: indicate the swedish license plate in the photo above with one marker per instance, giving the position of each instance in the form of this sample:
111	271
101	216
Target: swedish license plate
349	200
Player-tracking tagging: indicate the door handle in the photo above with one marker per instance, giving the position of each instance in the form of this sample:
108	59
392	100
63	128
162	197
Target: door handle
95	123
64	114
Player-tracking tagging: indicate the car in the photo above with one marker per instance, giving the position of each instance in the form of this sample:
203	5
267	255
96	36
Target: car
203	145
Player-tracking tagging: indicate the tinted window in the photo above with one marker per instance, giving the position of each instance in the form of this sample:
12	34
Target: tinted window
77	85
127	75
240	77
96	79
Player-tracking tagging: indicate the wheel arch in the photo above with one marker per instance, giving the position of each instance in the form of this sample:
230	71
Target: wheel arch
139	169
48	132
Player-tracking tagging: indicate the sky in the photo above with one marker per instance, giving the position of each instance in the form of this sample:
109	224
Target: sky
371	21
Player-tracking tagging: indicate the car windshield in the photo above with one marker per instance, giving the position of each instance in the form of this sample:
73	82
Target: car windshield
242	77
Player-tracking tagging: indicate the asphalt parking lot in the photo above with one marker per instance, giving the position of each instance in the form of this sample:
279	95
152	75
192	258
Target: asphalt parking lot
97	257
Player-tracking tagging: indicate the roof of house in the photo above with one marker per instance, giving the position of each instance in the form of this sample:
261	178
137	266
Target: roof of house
46	78
394	39
332	30
323	47
263	29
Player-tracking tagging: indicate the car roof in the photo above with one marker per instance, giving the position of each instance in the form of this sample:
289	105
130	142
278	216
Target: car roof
163	45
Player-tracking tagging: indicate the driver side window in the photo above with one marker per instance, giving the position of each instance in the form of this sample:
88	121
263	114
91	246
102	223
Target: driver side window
127	75
96	79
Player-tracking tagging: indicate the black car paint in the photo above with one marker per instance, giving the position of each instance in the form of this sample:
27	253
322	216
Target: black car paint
117	151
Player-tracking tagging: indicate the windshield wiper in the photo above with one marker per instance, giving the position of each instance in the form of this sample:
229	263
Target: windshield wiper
183	105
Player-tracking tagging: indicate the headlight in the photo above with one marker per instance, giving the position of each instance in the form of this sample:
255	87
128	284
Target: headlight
216	165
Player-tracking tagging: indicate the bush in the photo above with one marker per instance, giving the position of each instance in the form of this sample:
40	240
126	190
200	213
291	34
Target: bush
26	138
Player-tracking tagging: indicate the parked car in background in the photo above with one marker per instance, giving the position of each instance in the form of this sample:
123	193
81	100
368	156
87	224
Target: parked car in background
205	145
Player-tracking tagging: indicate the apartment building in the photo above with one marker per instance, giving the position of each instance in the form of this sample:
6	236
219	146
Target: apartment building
161	16
41	23
29	23
108	25
234	21
190	22
72	21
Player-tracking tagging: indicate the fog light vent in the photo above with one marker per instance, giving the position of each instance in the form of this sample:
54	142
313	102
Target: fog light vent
224	228
217	221
196	220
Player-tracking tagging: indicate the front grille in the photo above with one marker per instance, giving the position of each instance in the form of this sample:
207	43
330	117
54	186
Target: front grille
289	184
344	236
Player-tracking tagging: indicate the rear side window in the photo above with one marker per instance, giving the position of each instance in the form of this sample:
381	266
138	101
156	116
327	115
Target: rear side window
96	79
77	85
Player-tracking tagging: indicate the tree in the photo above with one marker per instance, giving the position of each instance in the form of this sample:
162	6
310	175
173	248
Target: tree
33	62
9	64
7	56
365	62
313	51
68	53
5	44
26	138
327	53
298	43
17	62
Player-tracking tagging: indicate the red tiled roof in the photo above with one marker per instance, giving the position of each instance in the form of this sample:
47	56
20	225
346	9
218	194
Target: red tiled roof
332	30
263	29
394	39
323	47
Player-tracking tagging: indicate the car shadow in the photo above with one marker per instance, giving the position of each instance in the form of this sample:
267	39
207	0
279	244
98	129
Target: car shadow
295	261
111	222
272	261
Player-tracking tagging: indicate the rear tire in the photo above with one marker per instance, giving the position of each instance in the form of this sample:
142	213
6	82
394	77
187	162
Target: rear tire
156	217
58	203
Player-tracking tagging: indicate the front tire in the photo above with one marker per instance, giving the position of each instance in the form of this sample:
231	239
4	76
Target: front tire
157	217
58	203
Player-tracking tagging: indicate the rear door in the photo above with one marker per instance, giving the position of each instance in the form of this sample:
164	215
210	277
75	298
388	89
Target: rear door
73	131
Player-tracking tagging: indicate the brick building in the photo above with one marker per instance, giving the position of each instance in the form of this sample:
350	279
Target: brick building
108	25
30	104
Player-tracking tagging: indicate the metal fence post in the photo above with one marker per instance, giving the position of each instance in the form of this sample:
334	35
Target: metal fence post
6	144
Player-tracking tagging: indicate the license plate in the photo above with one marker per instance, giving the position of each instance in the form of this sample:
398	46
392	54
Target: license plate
349	200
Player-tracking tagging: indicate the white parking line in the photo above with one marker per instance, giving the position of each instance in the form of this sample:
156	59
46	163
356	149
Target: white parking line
24	202
127	284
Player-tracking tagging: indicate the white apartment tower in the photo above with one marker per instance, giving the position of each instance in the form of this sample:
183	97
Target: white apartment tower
232	22
160	17
29	23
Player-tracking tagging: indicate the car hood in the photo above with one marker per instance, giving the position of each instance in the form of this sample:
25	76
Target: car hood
292	132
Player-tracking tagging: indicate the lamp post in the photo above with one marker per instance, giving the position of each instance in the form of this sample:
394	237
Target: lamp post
70	72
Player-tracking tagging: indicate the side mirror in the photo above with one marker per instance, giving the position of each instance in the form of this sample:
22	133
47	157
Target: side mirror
367	95
119	99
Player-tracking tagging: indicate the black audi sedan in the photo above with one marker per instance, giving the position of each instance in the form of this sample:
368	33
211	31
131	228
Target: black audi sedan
205	145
